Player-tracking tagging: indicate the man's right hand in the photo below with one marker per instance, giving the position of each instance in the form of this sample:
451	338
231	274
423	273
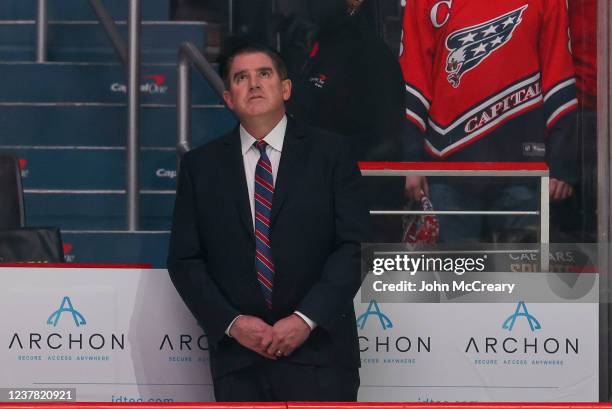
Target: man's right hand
416	187
252	333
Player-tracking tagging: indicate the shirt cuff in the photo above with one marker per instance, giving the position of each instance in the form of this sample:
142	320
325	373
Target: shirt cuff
307	320
227	331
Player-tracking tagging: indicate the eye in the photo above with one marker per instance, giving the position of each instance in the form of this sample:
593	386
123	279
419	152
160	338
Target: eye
265	74
240	77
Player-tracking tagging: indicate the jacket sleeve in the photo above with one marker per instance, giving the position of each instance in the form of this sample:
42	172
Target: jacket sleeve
559	90
332	295
416	60
187	265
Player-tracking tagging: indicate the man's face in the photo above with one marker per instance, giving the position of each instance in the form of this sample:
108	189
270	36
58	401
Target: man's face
255	87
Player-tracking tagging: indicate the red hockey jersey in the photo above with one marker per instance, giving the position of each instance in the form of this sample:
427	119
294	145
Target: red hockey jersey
583	24
488	80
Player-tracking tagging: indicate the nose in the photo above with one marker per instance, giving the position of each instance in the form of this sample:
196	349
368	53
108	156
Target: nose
254	82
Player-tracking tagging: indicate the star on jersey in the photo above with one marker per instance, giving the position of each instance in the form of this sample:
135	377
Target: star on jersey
470	46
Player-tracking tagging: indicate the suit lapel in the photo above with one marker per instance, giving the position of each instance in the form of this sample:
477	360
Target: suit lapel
237	181
290	167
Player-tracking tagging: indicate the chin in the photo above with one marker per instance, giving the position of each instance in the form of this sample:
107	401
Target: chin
259	111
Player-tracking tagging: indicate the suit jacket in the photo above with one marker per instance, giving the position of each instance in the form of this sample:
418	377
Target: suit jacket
318	222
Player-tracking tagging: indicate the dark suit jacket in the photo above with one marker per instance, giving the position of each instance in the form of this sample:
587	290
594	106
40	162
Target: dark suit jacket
318	222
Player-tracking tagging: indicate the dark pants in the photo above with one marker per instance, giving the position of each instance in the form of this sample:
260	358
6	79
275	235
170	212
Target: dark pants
282	381
479	193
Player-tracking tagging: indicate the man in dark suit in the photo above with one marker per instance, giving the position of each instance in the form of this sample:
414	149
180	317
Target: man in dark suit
265	245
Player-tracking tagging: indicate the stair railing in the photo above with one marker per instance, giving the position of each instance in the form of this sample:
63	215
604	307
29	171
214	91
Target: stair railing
188	55
130	57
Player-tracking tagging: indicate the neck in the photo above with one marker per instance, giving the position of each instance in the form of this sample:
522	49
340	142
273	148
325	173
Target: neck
260	127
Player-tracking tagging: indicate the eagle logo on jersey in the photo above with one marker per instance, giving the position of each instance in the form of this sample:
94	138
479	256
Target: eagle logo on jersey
470	46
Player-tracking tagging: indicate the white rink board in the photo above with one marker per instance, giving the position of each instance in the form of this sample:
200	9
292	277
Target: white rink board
134	323
437	367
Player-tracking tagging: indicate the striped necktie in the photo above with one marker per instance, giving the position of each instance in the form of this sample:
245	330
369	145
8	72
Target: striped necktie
264	191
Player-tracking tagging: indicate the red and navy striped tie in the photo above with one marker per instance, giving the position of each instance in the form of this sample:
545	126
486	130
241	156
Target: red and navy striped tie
264	191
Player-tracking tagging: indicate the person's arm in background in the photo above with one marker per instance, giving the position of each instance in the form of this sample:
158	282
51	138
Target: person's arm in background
560	102
416	61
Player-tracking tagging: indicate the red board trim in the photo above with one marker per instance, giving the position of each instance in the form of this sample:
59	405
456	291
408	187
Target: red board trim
501	166
142	266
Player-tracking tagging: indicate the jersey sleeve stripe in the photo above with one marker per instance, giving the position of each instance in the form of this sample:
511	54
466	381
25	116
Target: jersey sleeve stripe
559	87
418	121
419	96
562	110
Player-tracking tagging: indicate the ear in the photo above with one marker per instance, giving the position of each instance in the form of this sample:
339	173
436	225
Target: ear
227	97
286	85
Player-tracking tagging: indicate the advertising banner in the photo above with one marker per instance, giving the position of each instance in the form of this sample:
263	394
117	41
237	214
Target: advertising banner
124	335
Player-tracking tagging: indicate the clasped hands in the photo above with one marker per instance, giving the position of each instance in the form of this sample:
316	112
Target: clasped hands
270	341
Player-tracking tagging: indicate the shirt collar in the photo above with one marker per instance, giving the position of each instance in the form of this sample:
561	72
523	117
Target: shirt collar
275	138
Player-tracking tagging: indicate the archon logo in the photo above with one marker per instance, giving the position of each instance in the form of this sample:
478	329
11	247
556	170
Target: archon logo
396	342
374	309
66	307
532	346
23	163
151	84
521	311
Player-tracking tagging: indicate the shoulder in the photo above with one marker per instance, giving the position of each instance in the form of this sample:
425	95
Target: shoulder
208	151
318	137
326	148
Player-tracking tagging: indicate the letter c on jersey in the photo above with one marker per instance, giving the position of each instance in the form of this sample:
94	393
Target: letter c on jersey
435	10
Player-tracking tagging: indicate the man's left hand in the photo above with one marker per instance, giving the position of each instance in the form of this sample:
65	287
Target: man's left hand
287	335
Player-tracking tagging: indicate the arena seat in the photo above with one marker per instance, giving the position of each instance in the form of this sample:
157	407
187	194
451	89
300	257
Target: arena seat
11	192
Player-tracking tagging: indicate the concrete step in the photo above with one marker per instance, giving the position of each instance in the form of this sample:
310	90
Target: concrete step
97	169
89	82
116	247
86	41
96	211
103	125
81	10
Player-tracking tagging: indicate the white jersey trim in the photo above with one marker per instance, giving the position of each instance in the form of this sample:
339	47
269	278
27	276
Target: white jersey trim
484	129
558	88
464	117
419	96
416	118
555	115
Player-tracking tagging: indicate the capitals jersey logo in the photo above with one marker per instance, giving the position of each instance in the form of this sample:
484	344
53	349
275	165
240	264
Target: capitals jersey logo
470	46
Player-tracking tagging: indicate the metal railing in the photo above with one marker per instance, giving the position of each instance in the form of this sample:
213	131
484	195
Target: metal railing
130	58
473	169
189	54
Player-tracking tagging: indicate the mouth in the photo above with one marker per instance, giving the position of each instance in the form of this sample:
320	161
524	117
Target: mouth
255	97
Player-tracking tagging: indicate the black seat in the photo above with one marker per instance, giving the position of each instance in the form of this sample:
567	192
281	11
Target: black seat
31	244
18	243
12	214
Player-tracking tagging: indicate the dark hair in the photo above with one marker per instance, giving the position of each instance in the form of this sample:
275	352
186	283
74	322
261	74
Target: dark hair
251	48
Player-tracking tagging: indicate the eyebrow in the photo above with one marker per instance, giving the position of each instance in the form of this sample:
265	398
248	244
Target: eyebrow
258	70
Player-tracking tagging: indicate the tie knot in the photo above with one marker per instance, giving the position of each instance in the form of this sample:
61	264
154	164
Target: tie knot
261	146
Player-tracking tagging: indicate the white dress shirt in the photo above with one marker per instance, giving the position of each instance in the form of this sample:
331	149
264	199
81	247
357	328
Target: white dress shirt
250	157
